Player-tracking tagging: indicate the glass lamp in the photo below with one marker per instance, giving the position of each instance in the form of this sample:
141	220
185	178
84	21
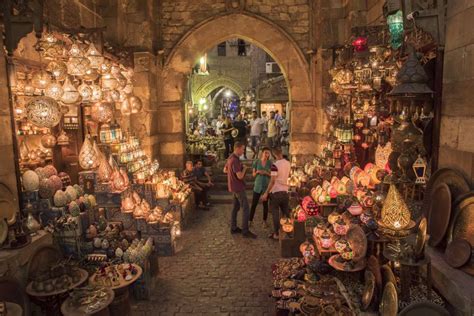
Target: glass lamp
63	139
88	156
135	104
77	63
70	93
102	112
41	79
360	44
43	112
48	140
395	213
54	90
91	74
85	92
108	81
58	70
94	56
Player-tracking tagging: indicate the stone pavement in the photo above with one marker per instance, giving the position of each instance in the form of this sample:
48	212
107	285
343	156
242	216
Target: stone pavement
214	272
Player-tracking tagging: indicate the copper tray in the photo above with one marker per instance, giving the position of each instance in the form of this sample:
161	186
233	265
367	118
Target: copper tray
458	253
439	214
369	290
387	275
389	304
420	238
462	223
454	179
338	263
374	267
358	241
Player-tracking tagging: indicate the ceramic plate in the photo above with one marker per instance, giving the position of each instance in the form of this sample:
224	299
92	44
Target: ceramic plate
439	213
389	304
8	205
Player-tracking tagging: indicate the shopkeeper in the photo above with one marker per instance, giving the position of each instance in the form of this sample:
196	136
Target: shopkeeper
200	191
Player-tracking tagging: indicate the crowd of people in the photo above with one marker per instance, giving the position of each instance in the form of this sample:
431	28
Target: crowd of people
253	131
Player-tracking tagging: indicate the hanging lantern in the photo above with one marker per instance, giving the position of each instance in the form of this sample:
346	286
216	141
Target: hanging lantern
94	56
41	79
326	240
113	96
77	63
105	134
395	213
125	107
88	156
58	70
108	81
360	44
102	112
43	112
419	167
63	139
105	67
104	171
91	74
70	93
54	90
96	95
395	27
48	140
85	92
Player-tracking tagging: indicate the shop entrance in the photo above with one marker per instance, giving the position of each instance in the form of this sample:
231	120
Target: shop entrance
207	35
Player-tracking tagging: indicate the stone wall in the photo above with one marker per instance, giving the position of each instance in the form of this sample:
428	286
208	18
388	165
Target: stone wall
74	13
457	121
179	16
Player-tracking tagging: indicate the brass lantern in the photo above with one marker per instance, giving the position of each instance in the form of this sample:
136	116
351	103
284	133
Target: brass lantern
419	167
41	79
102	112
70	93
58	70
94	56
77	63
48	140
43	112
88	156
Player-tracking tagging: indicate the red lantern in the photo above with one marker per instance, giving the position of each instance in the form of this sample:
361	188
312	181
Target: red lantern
360	44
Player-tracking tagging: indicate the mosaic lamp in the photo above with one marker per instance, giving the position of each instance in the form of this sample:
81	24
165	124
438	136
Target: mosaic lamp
360	44
43	112
88	156
395	213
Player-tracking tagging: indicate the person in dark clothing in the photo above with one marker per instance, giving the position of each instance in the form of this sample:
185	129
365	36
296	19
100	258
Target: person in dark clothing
261	172
241	125
226	130
200	191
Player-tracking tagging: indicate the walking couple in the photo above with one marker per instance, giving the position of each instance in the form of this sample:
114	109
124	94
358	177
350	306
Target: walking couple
270	183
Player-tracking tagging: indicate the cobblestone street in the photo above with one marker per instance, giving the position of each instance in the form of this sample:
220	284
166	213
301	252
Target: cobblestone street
214	272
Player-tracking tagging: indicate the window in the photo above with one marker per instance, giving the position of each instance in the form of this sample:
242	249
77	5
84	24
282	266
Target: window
241	46
221	49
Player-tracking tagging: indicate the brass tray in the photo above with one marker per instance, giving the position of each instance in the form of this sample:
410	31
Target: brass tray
374	267
389	304
358	241
462	223
420	238
439	213
338	263
369	290
454	179
387	275
424	308
458	253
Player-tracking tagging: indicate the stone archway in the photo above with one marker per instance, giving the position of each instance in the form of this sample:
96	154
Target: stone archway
203	36
215	82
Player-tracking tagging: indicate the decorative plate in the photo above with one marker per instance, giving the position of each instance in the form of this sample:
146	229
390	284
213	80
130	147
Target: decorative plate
369	290
288	293
458	253
357	241
387	275
389	304
439	213
374	267
340	264
423	308
8	206
462	222
454	179
420	237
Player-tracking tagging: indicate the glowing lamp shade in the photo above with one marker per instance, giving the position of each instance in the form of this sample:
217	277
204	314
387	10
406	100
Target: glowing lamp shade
360	44
355	209
102	112
85	92
94	56
125	107
419	167
326	240
63	139
96	95
395	27
54	90
104	171
109	82
77	66
70	93
48	141
88	156
41	79
58	70
43	112
395	213
91	74
287	225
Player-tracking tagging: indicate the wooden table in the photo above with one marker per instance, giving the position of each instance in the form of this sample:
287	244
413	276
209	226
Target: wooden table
120	306
50	302
69	309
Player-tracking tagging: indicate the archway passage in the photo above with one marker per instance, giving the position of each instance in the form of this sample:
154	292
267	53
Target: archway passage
258	31
221	81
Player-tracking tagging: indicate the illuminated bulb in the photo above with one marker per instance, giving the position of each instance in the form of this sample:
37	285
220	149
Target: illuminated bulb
54	90
41	79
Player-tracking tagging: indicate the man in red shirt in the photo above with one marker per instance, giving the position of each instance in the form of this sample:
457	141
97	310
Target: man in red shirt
235	181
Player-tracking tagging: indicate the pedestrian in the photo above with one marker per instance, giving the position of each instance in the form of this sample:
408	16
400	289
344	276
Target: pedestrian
283	126
241	125
261	173
256	130
235	181
263	138
219	124
277	190
200	191
228	139
272	130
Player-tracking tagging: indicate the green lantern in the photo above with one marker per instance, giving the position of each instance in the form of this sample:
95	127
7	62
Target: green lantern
395	27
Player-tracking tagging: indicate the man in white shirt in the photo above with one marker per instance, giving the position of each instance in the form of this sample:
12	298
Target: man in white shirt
219	124
272	130
256	129
277	190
